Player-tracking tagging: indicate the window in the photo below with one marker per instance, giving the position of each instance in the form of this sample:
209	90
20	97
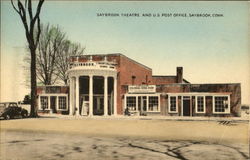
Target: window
221	104
44	102
131	103
173	104
153	103
62	103
200	104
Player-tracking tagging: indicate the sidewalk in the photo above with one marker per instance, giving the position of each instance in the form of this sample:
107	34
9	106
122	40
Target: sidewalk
166	118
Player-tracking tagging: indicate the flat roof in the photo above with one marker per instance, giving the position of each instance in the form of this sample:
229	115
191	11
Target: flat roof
113	54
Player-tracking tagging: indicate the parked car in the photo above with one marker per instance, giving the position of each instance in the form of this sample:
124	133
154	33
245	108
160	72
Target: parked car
9	110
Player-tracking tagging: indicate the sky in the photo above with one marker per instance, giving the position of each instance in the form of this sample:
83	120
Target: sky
210	49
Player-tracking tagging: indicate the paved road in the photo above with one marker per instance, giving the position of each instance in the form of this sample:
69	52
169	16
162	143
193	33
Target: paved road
51	146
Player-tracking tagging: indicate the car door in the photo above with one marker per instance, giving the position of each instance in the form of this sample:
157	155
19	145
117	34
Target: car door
14	109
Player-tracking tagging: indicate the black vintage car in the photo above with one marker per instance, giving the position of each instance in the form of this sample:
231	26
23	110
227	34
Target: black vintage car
9	110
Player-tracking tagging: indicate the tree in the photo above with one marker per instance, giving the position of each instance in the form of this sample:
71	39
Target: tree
30	22
51	41
62	64
54	50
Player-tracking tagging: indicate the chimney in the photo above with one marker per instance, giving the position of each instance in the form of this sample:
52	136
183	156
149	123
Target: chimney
179	75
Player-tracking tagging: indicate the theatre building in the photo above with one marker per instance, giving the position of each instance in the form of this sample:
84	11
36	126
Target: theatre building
109	84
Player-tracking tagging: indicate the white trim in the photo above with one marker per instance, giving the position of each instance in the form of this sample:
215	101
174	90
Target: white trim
136	103
228	99
159	103
176	103
199	94
57	107
115	95
181	105
147	103
196	104
125	102
143	95
57	104
48	98
151	94
39	104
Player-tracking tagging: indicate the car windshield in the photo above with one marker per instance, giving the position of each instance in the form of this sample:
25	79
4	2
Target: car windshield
3	106
13	105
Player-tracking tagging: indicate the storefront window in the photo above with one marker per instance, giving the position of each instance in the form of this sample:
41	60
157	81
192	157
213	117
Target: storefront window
173	104
200	104
221	104
153	103
62	102
131	103
44	102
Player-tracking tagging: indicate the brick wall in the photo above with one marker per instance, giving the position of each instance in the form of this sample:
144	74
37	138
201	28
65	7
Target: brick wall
233	89
127	69
160	80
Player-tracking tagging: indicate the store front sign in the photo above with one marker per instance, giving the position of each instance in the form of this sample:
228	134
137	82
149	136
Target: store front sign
142	89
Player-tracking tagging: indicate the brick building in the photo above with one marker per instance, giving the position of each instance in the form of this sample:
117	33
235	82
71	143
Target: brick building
108	84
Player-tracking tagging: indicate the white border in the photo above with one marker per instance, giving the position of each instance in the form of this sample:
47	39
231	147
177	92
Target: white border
57	101
169	111
196	104
229	106
147	95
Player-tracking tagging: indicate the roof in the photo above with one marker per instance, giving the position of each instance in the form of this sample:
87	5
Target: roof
197	84
115	54
169	76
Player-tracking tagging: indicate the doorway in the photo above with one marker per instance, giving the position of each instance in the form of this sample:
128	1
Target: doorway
98	106
142	104
186	106
53	104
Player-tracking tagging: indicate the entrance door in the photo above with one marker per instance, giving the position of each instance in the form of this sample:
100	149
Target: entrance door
98	105
53	104
144	103
186	106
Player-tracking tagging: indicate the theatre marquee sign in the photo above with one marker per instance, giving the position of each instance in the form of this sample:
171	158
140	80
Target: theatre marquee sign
142	89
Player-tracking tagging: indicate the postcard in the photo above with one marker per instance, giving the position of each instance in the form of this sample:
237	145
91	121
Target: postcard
124	80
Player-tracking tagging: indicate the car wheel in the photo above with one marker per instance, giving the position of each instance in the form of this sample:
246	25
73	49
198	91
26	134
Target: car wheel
24	115
7	117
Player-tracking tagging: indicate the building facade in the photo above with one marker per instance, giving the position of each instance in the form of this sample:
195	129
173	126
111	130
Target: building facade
112	83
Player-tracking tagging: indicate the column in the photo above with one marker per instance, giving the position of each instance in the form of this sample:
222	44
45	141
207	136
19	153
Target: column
147	103
77	96
136	103
57	103
71	96
105	95
115	96
50	111
90	95
39	103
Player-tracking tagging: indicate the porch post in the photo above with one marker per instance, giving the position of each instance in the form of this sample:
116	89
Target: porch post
57	103
77	96
115	96
90	95
71	96
147	103
105	95
50	111
136	104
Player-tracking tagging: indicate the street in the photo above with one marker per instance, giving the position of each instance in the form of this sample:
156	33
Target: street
81	143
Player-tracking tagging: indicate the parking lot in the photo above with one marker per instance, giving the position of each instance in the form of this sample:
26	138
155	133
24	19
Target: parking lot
100	138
